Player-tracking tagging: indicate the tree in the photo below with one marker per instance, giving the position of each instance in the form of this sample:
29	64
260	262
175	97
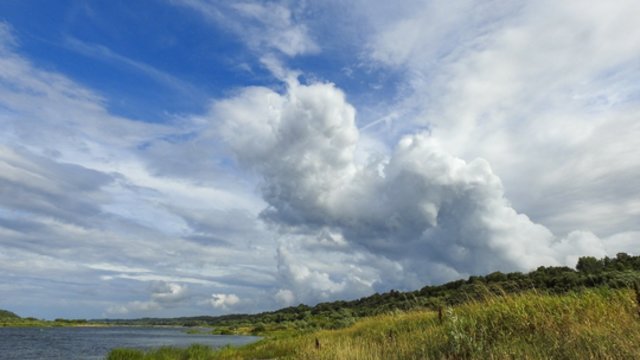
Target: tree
589	264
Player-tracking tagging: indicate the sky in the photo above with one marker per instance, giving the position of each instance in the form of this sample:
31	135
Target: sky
168	158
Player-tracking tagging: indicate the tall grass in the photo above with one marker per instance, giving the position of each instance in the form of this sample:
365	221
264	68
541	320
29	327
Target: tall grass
592	324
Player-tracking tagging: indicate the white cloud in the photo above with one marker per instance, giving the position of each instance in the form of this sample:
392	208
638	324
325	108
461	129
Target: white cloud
223	301
318	267
103	53
164	292
285	297
7	39
164	295
277	69
579	243
277	29
420	208
622	242
84	198
117	268
265	27
527	121
133	307
545	91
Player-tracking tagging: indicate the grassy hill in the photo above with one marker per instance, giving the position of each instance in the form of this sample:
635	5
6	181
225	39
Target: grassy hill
597	323
10	319
620	272
552	312
6	315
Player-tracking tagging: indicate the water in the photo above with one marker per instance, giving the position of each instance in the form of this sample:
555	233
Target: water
75	343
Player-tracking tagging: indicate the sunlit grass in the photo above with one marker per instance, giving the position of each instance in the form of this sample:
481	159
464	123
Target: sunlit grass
597	323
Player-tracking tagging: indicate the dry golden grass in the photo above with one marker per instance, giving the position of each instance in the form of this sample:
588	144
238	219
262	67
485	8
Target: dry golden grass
593	324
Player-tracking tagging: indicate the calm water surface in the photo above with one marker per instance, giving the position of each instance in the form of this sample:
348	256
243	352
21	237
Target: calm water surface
95	343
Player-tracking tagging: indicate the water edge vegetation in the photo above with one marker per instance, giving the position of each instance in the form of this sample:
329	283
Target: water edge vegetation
587	324
552	312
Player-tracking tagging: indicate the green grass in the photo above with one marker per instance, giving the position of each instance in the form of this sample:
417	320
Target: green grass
194	352
592	324
25	322
32	322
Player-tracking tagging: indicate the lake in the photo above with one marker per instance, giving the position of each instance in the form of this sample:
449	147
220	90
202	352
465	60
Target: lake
75	343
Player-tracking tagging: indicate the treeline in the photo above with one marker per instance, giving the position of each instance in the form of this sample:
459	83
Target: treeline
623	271
8	318
5	315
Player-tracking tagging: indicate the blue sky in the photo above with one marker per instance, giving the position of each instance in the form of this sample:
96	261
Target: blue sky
187	157
153	60
148	59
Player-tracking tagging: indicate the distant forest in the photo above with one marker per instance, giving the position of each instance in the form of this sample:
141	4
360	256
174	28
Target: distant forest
623	271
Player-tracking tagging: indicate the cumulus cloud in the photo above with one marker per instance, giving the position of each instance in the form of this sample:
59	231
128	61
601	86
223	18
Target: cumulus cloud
285	297
531	117
223	301
542	90
433	215
316	267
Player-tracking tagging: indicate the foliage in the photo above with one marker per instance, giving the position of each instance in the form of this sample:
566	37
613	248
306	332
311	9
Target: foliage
8	318
4	315
619	272
552	312
593	323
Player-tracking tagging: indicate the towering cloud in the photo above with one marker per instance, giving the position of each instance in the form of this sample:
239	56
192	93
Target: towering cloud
432	214
486	133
